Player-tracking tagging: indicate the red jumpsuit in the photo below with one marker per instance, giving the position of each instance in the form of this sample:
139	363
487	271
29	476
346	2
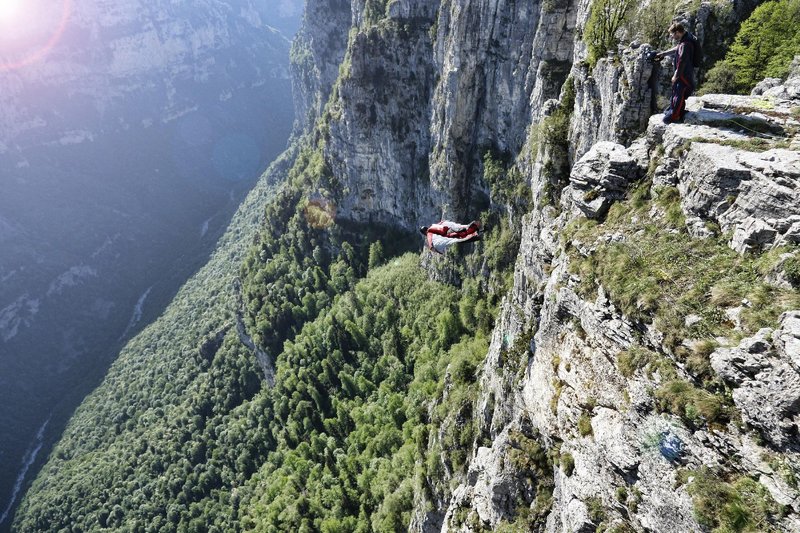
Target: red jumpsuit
446	233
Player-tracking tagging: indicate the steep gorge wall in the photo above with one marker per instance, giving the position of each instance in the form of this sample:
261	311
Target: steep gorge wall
557	370
427	90
494	80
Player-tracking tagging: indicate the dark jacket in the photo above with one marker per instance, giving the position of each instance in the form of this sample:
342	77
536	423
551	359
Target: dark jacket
685	58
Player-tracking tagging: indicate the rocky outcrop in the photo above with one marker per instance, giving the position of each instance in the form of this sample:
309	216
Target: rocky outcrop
784	90
751	194
748	194
598	179
493	489
618	455
764	371
612	100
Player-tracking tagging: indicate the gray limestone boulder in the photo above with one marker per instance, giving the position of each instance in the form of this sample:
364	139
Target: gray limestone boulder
765	373
790	88
763	85
598	179
752	235
667	144
792	235
752	194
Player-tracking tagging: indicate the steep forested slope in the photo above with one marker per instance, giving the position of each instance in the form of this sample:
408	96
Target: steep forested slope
184	432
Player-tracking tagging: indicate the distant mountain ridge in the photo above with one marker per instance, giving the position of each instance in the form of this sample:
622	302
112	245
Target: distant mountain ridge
123	153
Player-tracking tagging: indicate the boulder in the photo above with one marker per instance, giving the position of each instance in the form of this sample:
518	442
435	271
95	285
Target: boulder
599	178
764	371
751	194
763	85
752	235
612	100
790	89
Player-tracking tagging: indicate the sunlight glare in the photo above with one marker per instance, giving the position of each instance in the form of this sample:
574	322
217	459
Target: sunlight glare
29	29
9	9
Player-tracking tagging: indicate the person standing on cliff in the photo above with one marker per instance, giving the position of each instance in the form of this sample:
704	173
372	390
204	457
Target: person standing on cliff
683	79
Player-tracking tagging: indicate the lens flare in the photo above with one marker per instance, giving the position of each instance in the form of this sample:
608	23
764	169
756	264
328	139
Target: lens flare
29	31
320	212
9	10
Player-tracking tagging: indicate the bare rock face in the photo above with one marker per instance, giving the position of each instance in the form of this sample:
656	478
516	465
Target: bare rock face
317	52
598	179
752	194
378	143
494	487
497	62
752	235
428	91
765	373
616	453
612	101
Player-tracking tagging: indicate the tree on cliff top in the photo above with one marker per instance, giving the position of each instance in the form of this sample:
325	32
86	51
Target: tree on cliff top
601	33
764	47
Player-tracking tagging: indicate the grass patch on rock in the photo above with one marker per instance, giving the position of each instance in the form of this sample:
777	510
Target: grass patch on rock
634	358
736	505
585	425
660	274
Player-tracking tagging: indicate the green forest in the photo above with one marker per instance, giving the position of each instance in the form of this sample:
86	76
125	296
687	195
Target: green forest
765	46
376	376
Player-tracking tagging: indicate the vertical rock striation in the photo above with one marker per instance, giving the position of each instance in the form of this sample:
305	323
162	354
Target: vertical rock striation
317	52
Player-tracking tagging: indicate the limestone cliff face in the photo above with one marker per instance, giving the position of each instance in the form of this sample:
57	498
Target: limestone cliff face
613	101
423	94
572	392
428	89
379	140
498	63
